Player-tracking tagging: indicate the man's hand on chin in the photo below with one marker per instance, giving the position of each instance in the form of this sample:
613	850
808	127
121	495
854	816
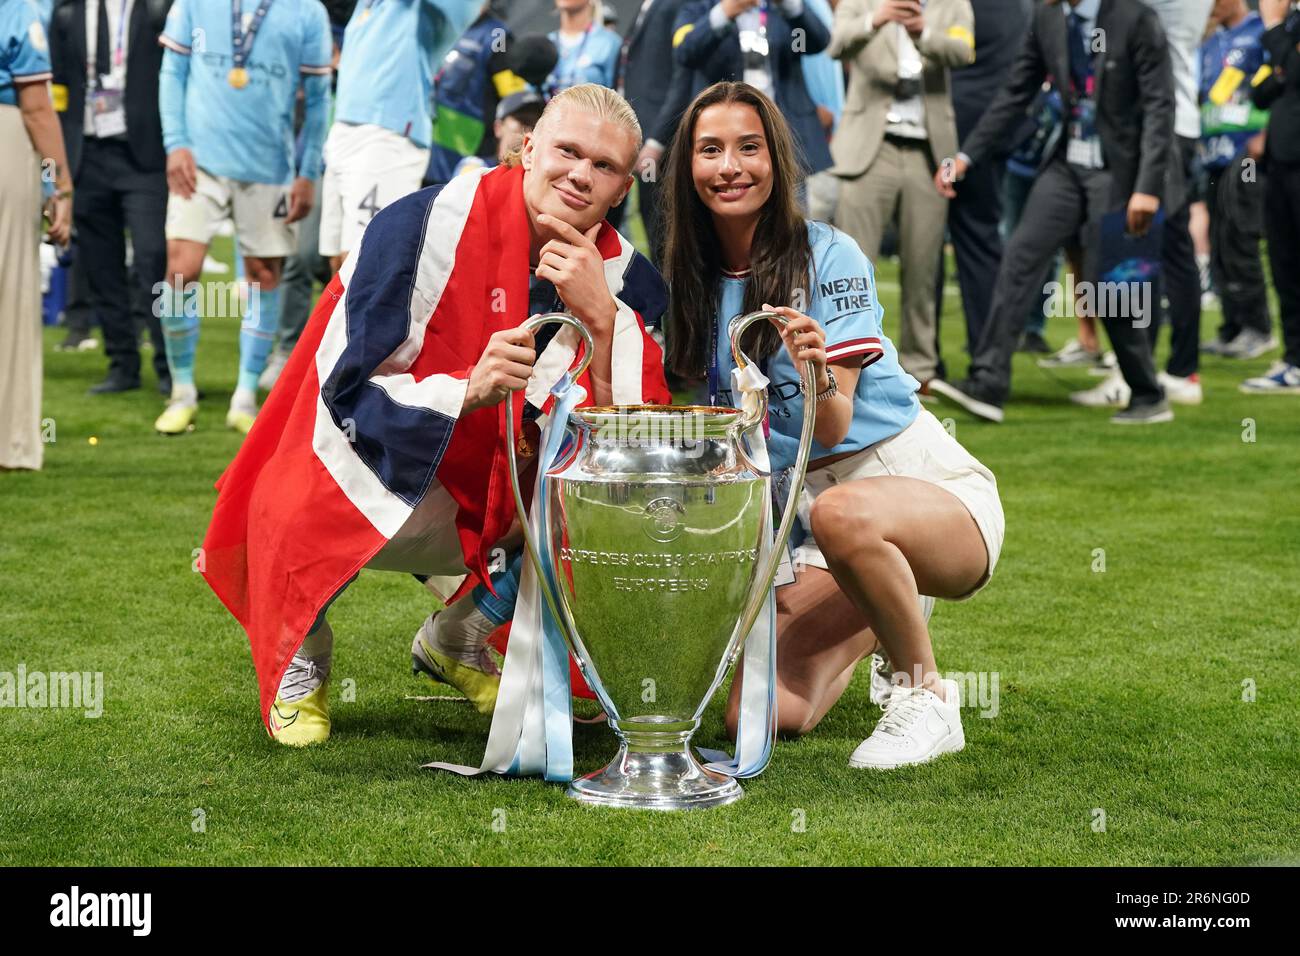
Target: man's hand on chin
575	266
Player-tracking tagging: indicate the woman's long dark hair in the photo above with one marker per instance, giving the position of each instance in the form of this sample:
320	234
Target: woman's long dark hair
779	257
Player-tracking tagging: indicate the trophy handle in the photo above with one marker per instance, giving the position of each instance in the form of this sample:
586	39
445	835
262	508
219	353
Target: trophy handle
530	544
765	575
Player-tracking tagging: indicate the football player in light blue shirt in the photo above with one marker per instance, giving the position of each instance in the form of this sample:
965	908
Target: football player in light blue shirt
378	146
227	92
894	506
390	51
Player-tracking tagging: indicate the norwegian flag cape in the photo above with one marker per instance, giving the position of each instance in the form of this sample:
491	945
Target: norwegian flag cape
367	413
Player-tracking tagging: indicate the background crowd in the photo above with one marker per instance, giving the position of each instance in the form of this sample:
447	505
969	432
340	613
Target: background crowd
1106	141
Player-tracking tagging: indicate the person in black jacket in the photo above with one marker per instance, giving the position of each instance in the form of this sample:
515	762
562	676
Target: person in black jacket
1109	61
974	216
106	91
760	43
1279	93
646	54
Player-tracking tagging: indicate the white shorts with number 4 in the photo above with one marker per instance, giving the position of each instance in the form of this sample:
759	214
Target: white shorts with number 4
258	210
366	168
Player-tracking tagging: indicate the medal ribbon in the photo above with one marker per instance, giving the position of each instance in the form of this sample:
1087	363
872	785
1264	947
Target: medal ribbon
241	41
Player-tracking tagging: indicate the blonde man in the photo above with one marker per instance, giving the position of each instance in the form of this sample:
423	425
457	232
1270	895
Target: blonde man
385	422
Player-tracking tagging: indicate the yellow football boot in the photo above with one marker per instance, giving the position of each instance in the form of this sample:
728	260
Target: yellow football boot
241	421
479	684
177	419
305	720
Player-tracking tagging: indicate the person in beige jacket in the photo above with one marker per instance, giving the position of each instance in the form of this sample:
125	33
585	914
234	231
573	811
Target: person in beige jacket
898	125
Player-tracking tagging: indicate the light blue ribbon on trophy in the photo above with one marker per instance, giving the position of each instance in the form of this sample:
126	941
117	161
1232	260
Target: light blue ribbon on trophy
550	705
532	725
756	722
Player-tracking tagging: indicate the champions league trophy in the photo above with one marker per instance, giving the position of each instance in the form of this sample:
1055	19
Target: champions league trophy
654	567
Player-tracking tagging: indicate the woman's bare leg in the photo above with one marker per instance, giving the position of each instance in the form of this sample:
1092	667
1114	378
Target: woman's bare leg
821	637
889	539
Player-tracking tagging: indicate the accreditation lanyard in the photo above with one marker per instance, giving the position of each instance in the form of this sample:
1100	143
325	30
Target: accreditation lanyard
565	80
95	71
241	40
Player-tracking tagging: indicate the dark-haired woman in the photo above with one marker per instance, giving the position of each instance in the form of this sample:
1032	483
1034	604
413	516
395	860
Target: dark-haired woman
895	508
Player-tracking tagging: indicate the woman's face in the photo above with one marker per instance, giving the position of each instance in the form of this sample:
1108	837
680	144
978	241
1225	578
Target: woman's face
730	162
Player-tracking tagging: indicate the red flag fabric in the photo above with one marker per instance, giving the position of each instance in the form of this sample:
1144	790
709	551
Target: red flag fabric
366	415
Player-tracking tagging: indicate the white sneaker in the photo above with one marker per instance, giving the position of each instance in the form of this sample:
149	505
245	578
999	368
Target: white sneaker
1249	344
1182	391
1281	379
1106	365
1071	355
1112	393
916	728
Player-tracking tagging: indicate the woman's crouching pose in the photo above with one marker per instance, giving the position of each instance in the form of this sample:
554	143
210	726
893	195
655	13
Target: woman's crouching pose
894	507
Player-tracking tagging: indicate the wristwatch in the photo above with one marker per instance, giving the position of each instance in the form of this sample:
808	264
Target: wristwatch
830	390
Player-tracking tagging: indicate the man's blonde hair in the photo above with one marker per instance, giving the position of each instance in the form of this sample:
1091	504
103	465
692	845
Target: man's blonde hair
601	100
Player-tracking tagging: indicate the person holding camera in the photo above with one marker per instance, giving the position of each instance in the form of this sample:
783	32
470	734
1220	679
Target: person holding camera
898	125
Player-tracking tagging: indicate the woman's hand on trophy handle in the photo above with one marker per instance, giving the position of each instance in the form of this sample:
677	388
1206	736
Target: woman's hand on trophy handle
805	341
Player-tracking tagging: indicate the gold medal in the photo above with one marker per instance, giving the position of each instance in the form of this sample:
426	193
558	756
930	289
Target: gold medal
525	447
237	77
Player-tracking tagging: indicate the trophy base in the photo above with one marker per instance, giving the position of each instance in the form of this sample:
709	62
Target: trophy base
655	771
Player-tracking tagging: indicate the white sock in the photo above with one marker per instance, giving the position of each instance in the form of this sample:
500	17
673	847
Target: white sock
185	394
319	643
461	631
244	400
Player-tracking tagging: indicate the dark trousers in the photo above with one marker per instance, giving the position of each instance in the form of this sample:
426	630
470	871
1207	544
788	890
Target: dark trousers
113	196
1282	228
301	271
1181	281
1066	201
78	313
973	221
1236	223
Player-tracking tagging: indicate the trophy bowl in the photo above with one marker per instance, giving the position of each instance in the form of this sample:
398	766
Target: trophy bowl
656	521
655	535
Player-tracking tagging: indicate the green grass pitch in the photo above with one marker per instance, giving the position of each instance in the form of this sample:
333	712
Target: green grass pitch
1121	691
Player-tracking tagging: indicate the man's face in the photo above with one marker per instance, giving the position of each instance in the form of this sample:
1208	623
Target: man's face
730	162
510	136
571	6
1223	10
577	165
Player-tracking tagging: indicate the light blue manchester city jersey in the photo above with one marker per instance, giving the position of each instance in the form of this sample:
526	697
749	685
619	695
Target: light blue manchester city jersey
244	134
843	301
390	51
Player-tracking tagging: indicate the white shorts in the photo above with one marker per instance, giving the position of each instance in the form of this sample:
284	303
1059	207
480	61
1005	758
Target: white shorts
366	168
427	543
258	210
924	450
